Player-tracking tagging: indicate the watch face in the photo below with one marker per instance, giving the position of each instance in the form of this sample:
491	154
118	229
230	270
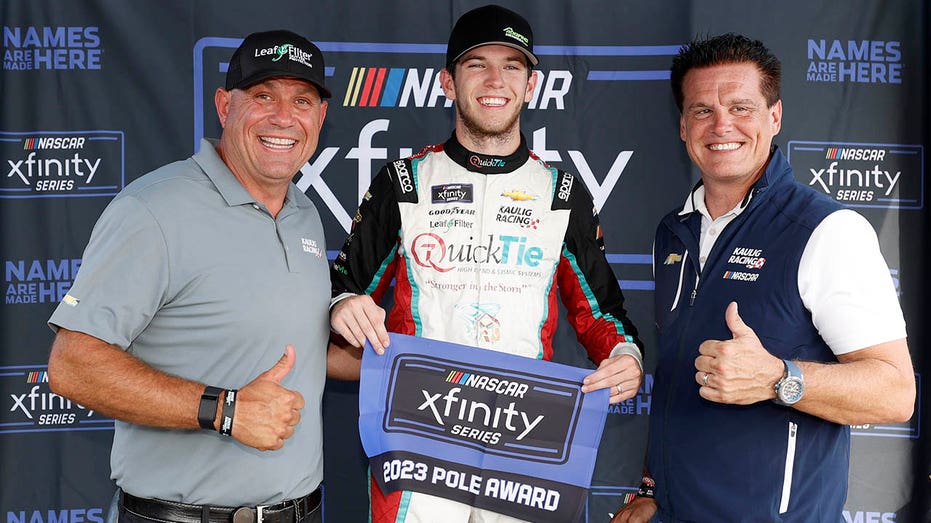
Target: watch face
790	390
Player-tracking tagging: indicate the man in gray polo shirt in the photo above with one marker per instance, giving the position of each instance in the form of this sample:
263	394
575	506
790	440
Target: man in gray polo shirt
206	276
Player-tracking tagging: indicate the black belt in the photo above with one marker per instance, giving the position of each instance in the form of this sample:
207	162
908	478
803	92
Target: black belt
290	511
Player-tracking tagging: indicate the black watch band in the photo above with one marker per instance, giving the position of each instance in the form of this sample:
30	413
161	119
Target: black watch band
207	412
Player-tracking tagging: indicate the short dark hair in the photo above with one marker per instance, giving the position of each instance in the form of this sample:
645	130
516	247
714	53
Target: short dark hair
727	48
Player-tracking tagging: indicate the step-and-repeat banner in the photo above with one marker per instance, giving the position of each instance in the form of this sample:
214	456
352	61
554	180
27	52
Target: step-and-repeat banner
93	94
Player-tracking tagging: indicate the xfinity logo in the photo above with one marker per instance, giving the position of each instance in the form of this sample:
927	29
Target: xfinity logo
862	174
488	416
504	413
32	407
451	193
56	164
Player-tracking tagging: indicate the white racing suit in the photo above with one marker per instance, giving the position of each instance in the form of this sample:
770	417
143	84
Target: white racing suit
478	247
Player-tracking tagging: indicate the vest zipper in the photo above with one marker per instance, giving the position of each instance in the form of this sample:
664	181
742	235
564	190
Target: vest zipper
694	292
790	465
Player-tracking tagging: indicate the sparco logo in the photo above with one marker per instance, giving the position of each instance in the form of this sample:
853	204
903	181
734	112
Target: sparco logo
404	176
431	250
565	187
32	407
54	164
862	174
476	161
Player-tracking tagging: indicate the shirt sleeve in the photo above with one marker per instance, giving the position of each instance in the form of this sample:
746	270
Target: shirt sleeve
365	264
588	287
123	279
844	281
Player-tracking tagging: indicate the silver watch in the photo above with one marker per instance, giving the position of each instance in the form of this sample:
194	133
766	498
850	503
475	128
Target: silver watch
791	387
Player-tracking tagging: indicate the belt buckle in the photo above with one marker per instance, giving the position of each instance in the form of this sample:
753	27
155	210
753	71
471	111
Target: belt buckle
244	515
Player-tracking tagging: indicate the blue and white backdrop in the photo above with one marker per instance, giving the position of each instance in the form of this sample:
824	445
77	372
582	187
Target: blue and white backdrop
95	93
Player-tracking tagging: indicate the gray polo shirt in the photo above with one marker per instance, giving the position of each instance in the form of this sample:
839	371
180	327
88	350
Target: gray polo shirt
185	270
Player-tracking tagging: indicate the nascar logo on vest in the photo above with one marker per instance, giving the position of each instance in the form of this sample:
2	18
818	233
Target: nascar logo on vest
496	431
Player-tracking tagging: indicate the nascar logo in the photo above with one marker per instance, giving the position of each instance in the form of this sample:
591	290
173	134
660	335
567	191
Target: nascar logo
393	87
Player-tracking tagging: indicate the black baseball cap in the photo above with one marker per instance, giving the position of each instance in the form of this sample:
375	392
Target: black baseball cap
491	24
273	54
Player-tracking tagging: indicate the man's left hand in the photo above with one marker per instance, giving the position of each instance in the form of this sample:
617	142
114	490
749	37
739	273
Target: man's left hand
621	374
739	370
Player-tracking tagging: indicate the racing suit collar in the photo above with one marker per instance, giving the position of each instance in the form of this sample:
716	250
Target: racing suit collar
483	163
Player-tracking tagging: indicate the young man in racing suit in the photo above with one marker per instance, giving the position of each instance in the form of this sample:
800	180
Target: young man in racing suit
479	234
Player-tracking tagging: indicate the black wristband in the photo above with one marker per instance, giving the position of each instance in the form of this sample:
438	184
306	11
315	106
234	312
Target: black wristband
229	408
647	488
207	411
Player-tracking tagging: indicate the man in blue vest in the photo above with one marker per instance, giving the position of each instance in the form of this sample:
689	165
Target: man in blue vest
778	320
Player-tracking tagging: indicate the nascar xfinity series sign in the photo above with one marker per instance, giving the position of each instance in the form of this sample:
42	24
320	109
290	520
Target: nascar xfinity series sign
496	431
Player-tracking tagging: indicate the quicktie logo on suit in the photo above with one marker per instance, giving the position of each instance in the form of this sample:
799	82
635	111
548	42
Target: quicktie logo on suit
497	431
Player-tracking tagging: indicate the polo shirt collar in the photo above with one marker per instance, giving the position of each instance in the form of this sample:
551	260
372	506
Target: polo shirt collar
696	203
226	183
696	199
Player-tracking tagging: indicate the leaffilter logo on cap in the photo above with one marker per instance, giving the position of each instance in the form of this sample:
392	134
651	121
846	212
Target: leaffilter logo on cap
509	31
282	50
294	53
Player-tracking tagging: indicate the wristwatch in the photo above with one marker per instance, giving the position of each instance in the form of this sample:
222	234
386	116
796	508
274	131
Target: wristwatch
207	410
791	387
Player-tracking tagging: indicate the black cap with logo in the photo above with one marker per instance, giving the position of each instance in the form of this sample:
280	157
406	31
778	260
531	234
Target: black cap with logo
491	24
273	54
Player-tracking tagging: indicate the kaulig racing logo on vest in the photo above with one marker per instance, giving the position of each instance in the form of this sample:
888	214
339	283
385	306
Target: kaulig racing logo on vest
746	258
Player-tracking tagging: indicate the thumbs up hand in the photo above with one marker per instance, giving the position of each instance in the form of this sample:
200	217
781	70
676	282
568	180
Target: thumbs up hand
739	370
266	413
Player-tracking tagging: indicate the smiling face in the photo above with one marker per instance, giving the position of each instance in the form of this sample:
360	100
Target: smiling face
270	130
726	125
491	85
